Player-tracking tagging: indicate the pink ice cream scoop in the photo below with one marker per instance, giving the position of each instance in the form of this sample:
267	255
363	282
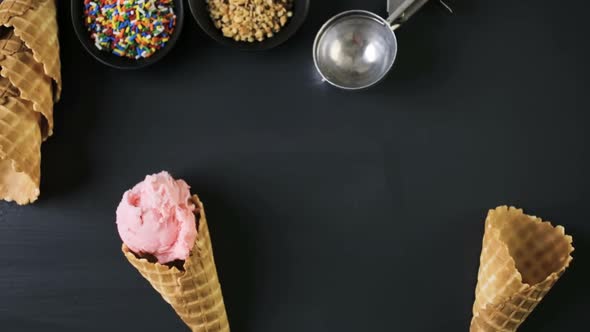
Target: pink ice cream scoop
156	217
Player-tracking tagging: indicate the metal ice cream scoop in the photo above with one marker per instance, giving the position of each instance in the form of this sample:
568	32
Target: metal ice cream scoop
357	48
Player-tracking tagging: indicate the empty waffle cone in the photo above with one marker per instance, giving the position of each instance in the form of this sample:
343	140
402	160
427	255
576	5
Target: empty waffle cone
35	22
20	147
25	73
194	290
521	259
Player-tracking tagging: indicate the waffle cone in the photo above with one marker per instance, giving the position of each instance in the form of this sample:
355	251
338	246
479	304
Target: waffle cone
521	259
35	23
27	75
194	292
20	147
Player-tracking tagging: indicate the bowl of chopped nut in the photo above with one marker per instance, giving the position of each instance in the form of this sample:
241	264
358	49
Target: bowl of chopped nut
250	24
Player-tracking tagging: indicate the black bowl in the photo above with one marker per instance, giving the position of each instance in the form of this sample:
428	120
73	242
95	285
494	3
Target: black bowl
118	62
201	14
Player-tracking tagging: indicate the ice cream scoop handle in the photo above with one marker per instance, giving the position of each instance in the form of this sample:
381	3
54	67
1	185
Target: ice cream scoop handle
401	10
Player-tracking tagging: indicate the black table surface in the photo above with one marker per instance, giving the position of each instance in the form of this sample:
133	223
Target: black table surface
329	210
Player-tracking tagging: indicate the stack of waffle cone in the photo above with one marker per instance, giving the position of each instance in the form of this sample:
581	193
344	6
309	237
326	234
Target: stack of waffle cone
30	84
193	289
521	259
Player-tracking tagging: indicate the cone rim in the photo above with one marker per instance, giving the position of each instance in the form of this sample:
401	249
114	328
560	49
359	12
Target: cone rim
31	197
537	221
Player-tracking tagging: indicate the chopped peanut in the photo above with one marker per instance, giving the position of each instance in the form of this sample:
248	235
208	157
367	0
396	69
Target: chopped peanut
250	20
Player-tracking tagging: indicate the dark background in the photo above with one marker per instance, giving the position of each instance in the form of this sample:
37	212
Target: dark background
329	210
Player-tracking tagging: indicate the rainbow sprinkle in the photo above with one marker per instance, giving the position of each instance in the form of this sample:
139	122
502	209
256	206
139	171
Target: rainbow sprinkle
130	28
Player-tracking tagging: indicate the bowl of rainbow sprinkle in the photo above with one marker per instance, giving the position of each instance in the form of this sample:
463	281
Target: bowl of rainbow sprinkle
128	34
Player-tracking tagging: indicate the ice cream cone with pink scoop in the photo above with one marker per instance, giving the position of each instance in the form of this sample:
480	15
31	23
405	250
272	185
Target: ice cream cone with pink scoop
166	238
